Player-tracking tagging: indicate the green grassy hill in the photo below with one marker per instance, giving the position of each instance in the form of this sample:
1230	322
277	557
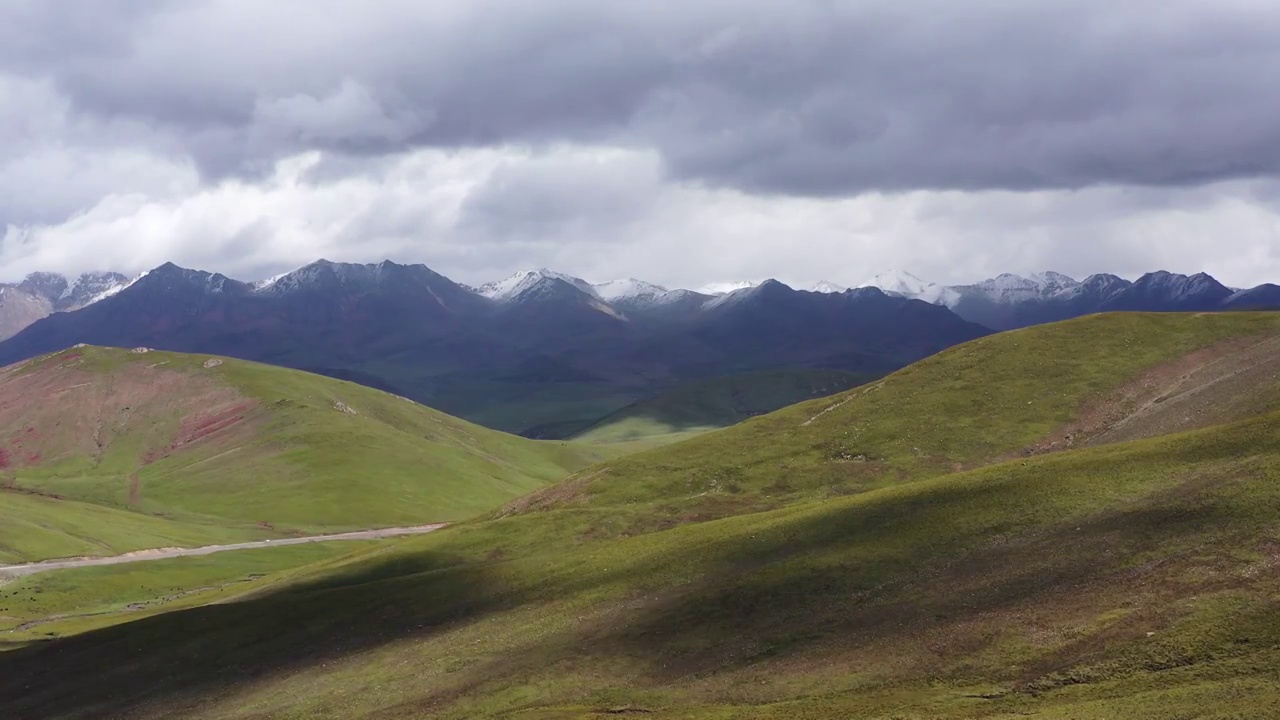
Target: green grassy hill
106	450
716	403
1010	395
1074	521
35	608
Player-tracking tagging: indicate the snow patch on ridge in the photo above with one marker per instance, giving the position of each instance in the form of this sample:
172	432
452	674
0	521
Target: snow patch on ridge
271	281
904	284
508	288
628	288
113	290
826	287
724	288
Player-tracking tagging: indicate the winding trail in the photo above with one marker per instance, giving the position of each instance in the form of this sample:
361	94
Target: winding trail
12	571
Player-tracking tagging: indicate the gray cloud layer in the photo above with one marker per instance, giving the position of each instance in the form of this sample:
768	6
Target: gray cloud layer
741	138
809	98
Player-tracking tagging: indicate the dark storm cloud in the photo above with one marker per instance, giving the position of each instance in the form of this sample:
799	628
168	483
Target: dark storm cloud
807	98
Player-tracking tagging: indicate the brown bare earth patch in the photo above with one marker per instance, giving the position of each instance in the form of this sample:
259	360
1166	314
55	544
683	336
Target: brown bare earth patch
571	492
60	408
1221	383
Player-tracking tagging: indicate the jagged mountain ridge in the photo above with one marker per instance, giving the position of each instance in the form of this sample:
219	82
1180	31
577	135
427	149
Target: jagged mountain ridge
1003	302
42	293
1011	301
540	339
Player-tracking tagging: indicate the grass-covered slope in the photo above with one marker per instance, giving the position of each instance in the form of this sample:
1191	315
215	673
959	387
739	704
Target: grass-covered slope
35	527
1129	580
716	403
224	447
45	605
966	572
1018	393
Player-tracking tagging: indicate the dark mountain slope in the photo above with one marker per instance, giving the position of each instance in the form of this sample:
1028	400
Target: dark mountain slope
863	330
545	350
1010	302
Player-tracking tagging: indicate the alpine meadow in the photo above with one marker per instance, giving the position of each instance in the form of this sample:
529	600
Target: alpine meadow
1089	528
756	360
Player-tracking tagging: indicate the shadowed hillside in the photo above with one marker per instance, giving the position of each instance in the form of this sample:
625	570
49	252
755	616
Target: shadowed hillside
715	403
998	550
1010	395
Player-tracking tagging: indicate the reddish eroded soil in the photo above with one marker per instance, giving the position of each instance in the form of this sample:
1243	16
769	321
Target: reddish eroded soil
1225	382
203	425
61	409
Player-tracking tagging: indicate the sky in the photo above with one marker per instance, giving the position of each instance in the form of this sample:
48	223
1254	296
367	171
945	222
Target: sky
684	143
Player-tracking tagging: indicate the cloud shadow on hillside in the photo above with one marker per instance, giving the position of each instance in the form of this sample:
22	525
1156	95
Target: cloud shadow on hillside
179	658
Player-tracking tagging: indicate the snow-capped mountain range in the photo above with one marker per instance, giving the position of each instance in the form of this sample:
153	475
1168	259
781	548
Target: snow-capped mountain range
1003	302
1010	301
493	352
410	330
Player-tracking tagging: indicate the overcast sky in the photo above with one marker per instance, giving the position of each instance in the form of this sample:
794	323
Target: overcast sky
680	142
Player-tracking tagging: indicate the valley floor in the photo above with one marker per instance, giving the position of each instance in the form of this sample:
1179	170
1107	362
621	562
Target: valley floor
169	553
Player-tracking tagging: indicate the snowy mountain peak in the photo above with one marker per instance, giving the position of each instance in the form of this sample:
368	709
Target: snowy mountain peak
1179	286
326	275
577	282
267	284
766	289
320	273
899	282
171	276
523	281
1053	280
45	284
508	288
629	288
91	287
62	293
823	286
724	288
1010	288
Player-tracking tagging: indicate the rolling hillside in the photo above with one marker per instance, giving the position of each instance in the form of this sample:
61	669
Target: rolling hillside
1074	521
716	403
1012	395
104	450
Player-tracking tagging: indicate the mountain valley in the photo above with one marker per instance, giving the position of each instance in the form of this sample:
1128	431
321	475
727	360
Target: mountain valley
546	354
564	360
533	352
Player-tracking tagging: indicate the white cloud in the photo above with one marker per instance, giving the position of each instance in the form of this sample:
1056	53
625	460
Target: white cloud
687	144
54	163
607	213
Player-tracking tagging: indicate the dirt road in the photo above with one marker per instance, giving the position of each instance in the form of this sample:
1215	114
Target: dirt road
164	553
